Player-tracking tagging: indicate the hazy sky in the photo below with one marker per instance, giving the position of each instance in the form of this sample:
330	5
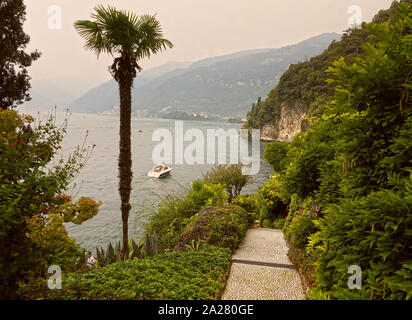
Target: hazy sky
198	29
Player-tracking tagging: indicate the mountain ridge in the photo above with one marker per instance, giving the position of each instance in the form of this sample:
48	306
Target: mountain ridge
222	85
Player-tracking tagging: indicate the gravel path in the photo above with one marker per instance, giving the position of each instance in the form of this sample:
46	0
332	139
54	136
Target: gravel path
261	269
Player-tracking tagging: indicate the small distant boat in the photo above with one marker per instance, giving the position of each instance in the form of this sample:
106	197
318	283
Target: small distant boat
140	130
159	171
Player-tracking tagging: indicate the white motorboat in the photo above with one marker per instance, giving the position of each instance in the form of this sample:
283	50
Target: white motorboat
160	171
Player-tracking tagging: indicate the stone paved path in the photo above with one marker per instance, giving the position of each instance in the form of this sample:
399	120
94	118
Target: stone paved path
261	269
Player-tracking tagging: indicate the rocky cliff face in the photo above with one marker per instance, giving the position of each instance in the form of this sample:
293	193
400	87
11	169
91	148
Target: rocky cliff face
268	133
288	125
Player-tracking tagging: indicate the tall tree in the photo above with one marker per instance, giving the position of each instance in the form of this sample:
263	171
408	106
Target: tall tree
14	79
130	38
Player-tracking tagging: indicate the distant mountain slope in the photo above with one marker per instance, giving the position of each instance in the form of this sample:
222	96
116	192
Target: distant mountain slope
47	93
224	85
227	87
106	96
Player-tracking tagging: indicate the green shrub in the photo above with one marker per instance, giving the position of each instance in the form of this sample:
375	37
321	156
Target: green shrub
278	223
308	153
273	191
294	208
33	206
206	195
272	199
170	217
305	263
229	176
220	226
182	275
374	233
52	245
266	223
301	227
247	202
275	155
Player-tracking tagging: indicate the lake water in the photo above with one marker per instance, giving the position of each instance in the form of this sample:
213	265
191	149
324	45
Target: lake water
98	179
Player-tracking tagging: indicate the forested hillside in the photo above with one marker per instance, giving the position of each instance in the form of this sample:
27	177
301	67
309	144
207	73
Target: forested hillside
305	84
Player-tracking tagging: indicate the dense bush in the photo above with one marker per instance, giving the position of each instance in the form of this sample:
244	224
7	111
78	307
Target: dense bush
305	264
170	217
220	226
371	226
375	233
33	206
247	202
52	245
309	155
274	192
14	60
275	154
278	224
182	275
272	201
300	228
347	178
230	177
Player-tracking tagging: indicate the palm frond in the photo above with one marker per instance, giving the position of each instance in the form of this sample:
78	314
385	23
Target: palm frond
105	17
93	36
114	31
149	38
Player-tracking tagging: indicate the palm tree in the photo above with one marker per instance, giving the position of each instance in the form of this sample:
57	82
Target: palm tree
128	38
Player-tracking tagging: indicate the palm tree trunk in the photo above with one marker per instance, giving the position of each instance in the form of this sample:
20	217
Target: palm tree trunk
125	155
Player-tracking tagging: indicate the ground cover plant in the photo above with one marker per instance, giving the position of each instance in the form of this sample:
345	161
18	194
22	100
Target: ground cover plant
183	275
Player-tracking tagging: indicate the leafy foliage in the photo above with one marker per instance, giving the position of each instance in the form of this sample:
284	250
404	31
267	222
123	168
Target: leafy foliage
279	223
31	189
375	233
271	201
113	31
347	179
229	176
173	213
176	275
247	202
301	227
275	154
49	238
51	246
219	226
14	78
